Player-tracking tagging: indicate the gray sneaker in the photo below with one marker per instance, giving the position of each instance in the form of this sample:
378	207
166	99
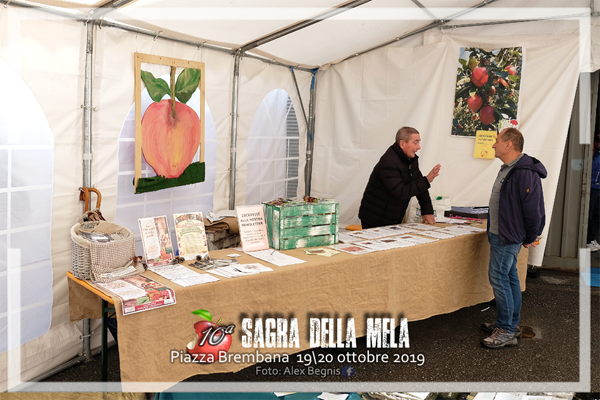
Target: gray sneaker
491	326
499	339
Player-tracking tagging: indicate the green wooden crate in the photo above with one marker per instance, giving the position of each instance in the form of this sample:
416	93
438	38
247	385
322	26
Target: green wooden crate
299	224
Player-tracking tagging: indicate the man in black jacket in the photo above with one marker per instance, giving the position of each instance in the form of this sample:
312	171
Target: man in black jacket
394	180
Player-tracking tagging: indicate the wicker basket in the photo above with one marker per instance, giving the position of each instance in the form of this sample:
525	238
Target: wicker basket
83	265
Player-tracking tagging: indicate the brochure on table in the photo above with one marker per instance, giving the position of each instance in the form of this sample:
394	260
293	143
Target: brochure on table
253	229
191	236
156	241
182	276
139	293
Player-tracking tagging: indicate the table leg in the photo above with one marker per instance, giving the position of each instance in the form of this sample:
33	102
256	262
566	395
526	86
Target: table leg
104	364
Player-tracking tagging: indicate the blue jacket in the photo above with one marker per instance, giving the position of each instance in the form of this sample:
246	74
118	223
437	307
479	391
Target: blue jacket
596	170
521	216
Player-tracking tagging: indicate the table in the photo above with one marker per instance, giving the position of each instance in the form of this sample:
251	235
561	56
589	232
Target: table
419	282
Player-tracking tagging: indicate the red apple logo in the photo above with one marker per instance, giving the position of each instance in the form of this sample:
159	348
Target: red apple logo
210	338
171	129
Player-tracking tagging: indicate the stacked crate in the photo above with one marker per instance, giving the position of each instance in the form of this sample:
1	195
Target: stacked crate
299	224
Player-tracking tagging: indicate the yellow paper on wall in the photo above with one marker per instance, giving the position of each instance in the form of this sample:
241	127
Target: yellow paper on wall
483	144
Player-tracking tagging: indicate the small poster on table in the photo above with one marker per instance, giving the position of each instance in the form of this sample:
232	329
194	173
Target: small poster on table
139	293
156	241
253	228
191	236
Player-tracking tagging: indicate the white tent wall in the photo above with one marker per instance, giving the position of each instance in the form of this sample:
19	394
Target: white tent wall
46	53
363	102
257	79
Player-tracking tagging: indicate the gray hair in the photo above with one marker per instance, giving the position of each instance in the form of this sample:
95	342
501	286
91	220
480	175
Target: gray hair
515	136
405	133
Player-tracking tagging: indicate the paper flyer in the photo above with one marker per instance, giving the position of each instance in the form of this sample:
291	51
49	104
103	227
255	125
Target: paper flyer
139	293
156	240
484	140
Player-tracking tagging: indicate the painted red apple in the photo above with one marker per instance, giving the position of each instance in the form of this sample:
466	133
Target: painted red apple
474	102
210	338
480	76
487	115
169	144
511	70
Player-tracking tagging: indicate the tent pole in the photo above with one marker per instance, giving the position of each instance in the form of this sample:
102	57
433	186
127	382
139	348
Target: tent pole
87	150
304	24
234	118
299	97
310	142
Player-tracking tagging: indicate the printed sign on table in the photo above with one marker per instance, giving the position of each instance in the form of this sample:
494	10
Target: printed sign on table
253	228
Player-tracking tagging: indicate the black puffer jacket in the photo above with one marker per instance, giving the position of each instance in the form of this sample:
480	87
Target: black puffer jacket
394	180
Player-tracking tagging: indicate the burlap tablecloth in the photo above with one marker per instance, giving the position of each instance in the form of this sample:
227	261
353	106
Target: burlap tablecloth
418	282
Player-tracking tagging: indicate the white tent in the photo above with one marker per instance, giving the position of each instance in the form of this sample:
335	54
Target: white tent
65	115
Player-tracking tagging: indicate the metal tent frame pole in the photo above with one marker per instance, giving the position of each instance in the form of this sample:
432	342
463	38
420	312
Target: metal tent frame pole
310	142
304	24
87	151
234	118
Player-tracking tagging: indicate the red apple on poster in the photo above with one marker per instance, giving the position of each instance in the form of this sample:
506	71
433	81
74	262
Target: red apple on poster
487	115
511	70
474	102
169	144
480	76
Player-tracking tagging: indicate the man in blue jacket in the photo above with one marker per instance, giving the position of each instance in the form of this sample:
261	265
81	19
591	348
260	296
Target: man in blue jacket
516	217
594	214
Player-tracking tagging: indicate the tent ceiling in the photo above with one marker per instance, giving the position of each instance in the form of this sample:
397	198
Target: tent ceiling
234	23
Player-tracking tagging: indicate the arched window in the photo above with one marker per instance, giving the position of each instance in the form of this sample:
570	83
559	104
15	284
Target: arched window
273	150
189	198
26	167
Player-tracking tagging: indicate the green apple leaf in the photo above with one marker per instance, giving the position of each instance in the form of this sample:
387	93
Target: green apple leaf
203	314
157	87
187	83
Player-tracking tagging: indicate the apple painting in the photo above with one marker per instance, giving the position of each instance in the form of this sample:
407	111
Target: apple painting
170	129
210	339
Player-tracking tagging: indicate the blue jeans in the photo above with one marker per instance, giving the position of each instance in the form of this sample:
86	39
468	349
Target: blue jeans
505	282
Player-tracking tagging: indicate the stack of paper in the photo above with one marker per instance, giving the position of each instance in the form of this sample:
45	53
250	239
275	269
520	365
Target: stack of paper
181	275
345	237
275	257
416	239
421	227
398	229
455	230
321	251
351	248
240	270
437	234
371	234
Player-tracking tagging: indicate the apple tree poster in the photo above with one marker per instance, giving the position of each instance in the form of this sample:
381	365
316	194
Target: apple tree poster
169	133
487	91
